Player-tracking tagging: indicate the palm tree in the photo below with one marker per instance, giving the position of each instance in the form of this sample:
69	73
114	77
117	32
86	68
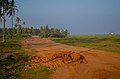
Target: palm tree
3	9
18	20
18	25
23	29
12	8
24	23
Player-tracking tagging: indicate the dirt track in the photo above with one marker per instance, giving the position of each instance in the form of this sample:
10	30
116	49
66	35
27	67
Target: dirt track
101	64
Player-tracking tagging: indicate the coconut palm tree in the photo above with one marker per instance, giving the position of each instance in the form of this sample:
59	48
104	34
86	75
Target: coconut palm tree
18	25
24	29
24	23
3	8
12	8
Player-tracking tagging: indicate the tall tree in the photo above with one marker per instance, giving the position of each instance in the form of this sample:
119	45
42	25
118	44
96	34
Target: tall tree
3	10
23	29
12	8
1	15
24	23
18	25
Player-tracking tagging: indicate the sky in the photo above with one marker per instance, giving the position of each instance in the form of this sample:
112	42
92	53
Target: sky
78	16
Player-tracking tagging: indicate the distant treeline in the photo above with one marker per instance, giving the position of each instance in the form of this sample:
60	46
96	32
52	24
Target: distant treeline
43	31
18	31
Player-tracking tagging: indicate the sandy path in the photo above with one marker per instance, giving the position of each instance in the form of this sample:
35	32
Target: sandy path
101	64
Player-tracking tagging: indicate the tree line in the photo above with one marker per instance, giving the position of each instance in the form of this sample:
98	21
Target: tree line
20	31
43	31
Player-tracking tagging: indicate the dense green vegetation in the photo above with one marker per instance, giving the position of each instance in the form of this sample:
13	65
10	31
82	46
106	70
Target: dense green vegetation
13	60
20	31
46	32
43	31
107	43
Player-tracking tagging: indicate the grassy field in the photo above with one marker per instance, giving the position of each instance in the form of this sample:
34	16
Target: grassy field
13	60
107	43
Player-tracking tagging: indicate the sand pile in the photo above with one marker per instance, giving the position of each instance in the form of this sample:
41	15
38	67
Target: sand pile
54	60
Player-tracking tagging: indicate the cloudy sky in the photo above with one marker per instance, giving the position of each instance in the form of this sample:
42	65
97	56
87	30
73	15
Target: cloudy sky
78	16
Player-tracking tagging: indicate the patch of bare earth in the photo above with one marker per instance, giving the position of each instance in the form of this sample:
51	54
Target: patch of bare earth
69	62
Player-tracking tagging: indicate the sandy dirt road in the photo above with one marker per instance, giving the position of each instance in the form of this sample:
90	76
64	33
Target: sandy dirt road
101	64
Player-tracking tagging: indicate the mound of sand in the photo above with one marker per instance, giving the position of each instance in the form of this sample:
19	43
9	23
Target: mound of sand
57	59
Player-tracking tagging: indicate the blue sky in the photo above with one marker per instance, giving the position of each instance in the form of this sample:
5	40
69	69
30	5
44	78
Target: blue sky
78	16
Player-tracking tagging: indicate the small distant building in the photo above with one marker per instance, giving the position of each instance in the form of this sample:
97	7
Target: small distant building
111	33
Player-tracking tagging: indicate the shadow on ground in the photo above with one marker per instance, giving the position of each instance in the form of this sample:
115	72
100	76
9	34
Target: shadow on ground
10	63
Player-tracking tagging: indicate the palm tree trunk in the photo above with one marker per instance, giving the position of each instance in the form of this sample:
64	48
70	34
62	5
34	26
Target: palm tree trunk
4	26
12	20
3	34
12	26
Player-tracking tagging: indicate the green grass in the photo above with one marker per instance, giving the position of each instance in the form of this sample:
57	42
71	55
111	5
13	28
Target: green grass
13	66
38	72
107	43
